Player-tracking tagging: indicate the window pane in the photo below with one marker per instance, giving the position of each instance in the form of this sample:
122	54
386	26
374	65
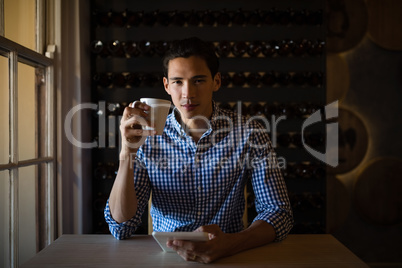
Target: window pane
4	111
4	218
27	123
27	212
19	22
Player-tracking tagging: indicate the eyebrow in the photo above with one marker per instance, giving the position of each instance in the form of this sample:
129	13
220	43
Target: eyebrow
194	77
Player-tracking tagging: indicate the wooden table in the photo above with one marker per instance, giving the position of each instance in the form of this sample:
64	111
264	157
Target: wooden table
142	251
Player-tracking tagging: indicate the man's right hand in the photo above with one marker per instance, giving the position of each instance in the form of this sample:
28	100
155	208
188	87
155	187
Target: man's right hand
131	128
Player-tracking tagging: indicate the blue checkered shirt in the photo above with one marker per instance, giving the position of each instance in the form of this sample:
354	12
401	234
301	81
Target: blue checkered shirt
195	184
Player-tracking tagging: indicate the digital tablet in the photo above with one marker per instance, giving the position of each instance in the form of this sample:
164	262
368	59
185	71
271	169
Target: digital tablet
163	237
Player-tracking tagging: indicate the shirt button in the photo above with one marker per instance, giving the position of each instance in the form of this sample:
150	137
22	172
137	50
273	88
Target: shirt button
199	213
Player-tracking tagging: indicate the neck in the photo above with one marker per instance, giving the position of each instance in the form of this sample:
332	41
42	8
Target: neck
196	126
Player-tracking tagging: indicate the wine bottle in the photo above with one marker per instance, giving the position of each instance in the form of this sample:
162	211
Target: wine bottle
315	17
101	171
239	48
254	18
225	79
99	48
118	19
115	48
239	18
316	47
178	18
149	18
283	109
284	17
285	47
133	19
163	19
300	47
102	18
146	48
131	49
223	49
150	80
161	47
270	48
269	79
303	171
255	108
193	18
301	110
299	79
319	172
208	18
315	79
118	80
115	109
134	79
269	17
254	48
102	79
270	109
223	18
238	79
299	17
254	79
284	79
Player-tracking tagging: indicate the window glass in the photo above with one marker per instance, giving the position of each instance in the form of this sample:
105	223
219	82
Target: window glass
27	212
27	119
4	218
19	22
4	111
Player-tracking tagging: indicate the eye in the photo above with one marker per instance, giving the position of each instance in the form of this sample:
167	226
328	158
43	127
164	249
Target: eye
198	81
177	82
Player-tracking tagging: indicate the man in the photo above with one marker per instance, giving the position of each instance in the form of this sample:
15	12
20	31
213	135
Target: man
198	168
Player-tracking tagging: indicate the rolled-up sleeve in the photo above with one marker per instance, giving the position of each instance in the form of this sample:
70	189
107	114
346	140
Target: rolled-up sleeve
142	188
271	196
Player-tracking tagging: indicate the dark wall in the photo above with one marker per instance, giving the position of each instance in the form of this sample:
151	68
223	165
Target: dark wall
365	70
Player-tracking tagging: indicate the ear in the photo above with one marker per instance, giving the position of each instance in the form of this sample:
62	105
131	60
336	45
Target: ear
166	85
217	81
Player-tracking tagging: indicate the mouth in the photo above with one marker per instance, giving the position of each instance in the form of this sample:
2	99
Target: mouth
189	107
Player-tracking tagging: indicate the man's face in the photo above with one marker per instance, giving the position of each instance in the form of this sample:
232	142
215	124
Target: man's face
191	85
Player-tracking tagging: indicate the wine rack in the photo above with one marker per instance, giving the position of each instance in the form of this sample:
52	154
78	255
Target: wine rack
272	60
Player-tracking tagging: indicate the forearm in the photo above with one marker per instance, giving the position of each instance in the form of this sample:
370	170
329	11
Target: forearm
257	234
123	199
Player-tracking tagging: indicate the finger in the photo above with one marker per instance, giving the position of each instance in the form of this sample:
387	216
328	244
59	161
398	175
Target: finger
136	121
130	112
139	132
212	228
140	105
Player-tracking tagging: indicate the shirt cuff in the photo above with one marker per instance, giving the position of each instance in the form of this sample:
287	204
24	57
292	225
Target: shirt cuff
280	220
121	230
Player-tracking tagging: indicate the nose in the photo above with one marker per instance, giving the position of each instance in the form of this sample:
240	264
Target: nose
188	91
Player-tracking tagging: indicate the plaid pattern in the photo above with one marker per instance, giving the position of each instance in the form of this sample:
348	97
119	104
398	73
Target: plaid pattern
200	184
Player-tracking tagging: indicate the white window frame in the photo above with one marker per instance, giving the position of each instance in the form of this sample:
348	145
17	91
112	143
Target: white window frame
17	53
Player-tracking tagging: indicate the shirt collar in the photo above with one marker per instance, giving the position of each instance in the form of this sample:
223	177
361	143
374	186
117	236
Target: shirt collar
214	122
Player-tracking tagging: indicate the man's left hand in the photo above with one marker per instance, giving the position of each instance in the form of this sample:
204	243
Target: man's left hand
218	246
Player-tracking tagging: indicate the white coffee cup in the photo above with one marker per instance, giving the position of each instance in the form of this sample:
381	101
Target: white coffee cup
158	113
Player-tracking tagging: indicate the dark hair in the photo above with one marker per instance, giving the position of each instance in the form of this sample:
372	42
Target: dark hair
192	46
